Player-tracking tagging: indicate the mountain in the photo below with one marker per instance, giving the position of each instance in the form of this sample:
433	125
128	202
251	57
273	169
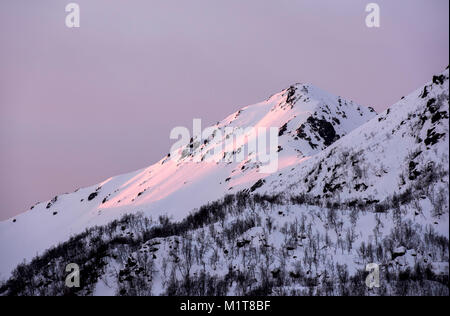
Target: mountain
352	188
175	187
403	147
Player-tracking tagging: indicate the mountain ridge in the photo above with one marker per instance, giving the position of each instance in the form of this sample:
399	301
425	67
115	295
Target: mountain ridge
167	180
312	173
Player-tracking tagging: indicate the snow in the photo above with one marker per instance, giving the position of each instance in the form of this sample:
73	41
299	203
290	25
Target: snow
400	251
366	161
382	149
175	187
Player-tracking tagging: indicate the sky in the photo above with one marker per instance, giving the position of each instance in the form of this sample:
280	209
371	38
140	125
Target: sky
80	105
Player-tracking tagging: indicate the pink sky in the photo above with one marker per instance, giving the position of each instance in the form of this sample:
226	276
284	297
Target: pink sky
80	105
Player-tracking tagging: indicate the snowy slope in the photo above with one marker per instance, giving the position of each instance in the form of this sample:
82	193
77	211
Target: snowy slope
378	194
392	153
309	120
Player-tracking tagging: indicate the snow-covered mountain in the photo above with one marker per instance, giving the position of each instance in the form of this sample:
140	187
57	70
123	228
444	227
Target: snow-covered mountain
403	146
309	120
352	188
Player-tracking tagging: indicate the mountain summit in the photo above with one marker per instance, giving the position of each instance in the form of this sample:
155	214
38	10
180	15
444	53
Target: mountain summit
308	119
352	188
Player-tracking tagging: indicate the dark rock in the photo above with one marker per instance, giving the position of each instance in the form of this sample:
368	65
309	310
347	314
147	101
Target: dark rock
282	130
92	196
257	185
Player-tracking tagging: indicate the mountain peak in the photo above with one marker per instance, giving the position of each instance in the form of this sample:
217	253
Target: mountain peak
387	176
307	120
